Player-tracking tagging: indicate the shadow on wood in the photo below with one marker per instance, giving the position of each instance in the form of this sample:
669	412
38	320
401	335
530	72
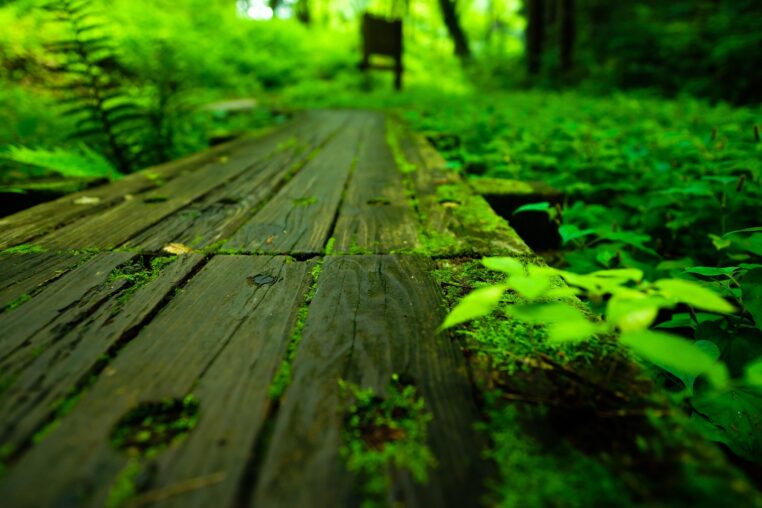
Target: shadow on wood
381	36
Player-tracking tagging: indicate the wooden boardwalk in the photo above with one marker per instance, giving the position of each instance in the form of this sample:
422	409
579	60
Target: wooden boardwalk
309	249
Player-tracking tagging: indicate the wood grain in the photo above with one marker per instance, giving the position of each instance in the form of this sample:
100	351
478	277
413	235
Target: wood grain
219	214
300	217
174	354
34	222
375	216
372	316
24	274
463	226
57	357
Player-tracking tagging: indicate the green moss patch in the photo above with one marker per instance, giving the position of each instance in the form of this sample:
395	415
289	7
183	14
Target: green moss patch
382	434
138	273
152	426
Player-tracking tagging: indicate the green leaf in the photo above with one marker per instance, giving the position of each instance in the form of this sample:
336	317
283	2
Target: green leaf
753	373
511	266
710	271
82	164
571	331
736	418
571	232
719	242
620	274
694	295
676	355
545	313
632	314
478	303
751	291
747	230
531	287
543	206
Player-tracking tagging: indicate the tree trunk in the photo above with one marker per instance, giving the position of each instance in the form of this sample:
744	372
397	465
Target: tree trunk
568	35
451	21
302	10
535	35
274	4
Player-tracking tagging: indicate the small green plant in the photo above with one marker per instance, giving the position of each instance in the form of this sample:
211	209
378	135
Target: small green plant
152	426
384	433
137	274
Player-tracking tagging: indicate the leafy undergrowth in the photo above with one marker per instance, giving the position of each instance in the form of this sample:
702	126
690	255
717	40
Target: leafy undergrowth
578	421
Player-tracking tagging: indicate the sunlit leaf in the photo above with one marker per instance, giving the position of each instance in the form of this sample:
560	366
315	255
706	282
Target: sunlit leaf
543	313
632	314
693	294
478	303
571	331
533	207
510	266
528	286
676	355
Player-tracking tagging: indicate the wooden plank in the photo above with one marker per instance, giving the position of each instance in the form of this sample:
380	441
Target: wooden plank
25	274
221	307
299	219
375	216
66	300
64	353
217	215
34	222
372	316
456	219
235	393
116	225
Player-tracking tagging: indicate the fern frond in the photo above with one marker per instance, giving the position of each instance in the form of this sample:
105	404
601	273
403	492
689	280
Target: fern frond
84	163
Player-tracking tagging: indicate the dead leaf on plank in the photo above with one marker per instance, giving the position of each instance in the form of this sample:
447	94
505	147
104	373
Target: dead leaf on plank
87	200
177	249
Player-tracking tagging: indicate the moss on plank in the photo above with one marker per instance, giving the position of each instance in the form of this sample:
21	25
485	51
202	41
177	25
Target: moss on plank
385	434
137	274
150	427
25	248
282	378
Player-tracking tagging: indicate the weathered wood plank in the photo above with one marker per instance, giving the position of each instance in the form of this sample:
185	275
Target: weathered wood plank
114	226
299	219
375	217
216	216
68	299
222	306
34	222
234	392
63	354
24	274
372	316
456	220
